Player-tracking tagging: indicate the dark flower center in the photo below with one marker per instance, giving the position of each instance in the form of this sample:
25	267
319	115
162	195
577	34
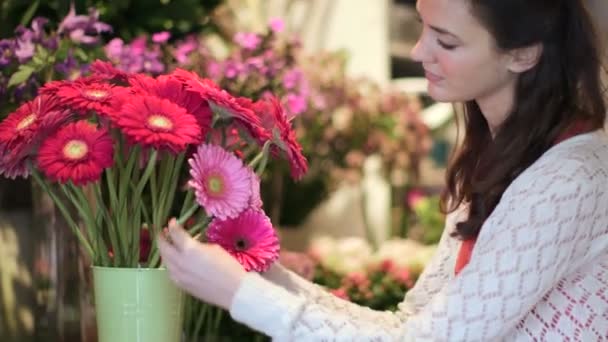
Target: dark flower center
241	244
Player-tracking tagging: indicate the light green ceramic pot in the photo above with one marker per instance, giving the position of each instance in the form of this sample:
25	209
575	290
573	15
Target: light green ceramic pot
137	305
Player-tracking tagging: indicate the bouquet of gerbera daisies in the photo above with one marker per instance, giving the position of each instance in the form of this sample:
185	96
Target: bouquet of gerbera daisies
110	148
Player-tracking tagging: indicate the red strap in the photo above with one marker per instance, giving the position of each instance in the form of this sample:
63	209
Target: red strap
466	247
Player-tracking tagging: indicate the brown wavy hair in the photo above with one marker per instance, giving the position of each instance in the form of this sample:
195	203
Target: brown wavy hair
562	88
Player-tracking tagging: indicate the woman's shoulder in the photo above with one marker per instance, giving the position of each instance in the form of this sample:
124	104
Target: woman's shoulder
581	159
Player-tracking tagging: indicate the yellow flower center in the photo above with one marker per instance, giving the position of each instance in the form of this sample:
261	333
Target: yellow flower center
75	149
215	185
28	120
96	94
160	121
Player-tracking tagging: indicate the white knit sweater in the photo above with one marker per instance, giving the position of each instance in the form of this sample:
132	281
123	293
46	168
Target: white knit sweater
538	272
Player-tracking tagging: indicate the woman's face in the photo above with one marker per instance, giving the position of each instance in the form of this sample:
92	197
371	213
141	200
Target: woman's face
459	55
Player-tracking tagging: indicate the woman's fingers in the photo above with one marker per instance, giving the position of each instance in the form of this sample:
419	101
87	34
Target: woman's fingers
167	250
178	235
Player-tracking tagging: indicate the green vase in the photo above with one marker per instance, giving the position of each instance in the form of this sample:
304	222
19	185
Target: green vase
137	304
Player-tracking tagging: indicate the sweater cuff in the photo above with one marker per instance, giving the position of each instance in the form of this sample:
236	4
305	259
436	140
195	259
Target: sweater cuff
264	306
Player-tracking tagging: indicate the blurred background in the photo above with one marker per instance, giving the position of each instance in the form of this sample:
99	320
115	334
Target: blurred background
363	221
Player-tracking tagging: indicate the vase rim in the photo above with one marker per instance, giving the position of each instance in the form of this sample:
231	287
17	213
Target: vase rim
125	269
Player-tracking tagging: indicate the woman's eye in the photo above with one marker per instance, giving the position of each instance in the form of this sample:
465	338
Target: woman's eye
446	46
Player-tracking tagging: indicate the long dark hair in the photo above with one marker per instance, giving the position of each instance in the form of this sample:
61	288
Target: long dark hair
564	87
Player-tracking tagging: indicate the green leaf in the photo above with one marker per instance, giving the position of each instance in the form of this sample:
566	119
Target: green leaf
21	75
30	12
42	52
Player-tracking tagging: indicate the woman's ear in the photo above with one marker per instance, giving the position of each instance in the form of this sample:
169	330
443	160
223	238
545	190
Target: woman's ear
524	59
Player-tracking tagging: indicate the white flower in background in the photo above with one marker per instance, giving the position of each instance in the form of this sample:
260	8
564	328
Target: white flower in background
322	247
405	252
344	255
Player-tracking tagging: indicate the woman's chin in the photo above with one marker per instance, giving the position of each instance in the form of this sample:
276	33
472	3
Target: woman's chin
441	94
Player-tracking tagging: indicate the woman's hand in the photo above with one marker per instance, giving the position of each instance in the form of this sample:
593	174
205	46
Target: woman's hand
206	271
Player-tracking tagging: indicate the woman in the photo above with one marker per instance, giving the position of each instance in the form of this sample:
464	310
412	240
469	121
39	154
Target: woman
524	255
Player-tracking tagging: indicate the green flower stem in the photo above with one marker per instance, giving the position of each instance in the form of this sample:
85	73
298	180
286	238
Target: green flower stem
203	312
76	194
103	212
85	244
115	213
262	157
187	202
185	216
126	217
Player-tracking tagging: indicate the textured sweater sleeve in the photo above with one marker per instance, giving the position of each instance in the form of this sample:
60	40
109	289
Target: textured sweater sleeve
436	273
530	241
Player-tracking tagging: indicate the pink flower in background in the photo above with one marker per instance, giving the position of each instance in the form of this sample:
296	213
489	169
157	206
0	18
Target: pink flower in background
292	78
414	197
340	293
247	40
249	237
403	276
161	37
184	48
221	182
296	105
300	263
277	25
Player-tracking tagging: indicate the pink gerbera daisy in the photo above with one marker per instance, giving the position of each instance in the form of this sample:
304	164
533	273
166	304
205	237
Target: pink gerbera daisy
85	94
158	123
249	237
78	152
221	182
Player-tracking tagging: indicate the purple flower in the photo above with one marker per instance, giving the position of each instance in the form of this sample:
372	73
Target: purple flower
38	28
83	29
135	57
255	63
25	47
232	69
184	49
277	25
151	62
67	67
161	37
247	40
7	47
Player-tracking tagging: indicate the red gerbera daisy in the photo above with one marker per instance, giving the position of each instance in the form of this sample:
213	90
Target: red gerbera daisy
23	129
249	237
220	101
107	71
159	123
174	90
14	165
85	94
78	152
275	121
